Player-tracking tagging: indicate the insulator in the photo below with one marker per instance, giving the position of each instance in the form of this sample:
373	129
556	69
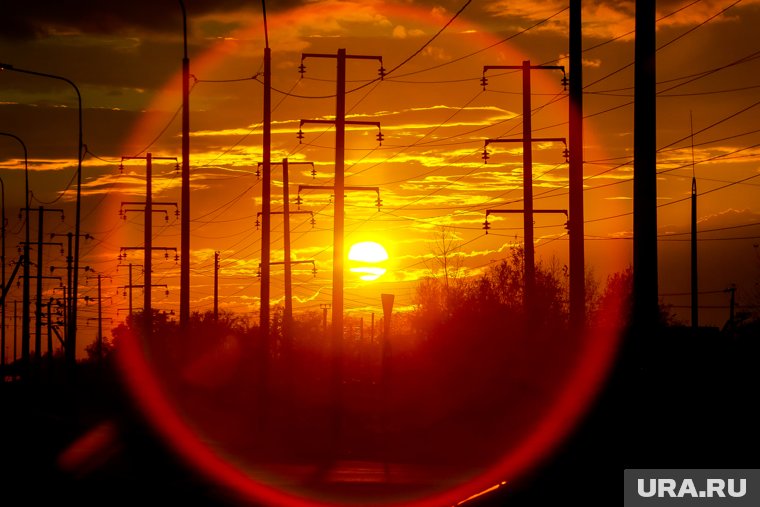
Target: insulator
314	271
176	167
166	217
567	225
63	217
299	136
486	226
380	138
566	154
166	255
378	203
166	292
313	222
258	173
313	173
485	156
176	257
258	224
121	167
302	69
176	212
565	82
484	82
381	73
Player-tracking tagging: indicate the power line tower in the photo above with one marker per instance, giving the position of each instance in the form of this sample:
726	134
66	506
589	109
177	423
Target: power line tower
99	299
129	286
527	141
216	286
340	123
528	212
286	215
148	232
67	289
41	210
577	259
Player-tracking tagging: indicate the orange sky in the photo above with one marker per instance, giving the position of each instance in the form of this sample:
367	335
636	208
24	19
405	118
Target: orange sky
434	116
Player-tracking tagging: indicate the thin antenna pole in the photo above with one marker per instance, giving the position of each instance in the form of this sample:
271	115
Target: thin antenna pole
694	266
266	25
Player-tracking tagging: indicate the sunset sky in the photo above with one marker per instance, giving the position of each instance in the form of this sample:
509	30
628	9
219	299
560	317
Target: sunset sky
434	114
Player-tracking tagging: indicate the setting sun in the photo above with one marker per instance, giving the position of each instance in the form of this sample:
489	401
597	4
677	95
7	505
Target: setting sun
366	259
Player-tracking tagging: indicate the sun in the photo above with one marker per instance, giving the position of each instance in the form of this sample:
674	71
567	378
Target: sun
367	259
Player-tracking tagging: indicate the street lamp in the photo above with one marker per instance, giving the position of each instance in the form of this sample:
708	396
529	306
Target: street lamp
71	346
25	338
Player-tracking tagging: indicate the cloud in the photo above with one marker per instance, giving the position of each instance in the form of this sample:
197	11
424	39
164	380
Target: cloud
611	18
25	20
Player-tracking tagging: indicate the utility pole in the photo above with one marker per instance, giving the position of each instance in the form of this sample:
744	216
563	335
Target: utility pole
68	293
216	286
694	270
324	307
184	266
100	314
694	265
130	266
527	142
340	123
40	243
2	274
288	317
576	223
731	308
148	234
645	302
266	200
147	296
15	330
527	211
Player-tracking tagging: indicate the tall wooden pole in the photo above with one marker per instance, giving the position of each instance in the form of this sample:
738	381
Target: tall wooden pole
645	302
184	266
287	322
575	139
148	242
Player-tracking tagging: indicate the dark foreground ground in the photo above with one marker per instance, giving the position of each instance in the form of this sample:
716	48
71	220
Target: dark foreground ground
673	401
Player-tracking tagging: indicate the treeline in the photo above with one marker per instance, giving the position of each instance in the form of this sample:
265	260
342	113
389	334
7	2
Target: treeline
467	375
